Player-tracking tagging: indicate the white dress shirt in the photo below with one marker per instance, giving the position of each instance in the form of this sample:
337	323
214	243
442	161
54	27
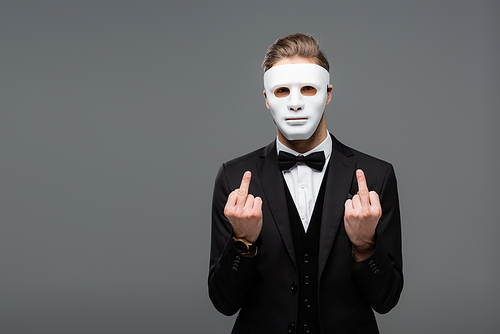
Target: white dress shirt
303	181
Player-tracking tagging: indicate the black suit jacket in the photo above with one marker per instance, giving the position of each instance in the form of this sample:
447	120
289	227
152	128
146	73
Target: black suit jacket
264	288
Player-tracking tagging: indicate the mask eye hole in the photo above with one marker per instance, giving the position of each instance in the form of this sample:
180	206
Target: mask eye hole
282	92
308	91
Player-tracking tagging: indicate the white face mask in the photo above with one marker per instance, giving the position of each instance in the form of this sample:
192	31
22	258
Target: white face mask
297	94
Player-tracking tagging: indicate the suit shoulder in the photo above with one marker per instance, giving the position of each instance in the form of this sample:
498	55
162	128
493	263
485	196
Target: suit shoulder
378	172
363	158
245	159
231	171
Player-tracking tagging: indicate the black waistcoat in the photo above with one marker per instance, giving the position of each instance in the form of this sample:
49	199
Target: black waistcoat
306	246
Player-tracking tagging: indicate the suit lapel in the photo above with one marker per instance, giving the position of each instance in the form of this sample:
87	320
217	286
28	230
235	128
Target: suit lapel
272	183
340	171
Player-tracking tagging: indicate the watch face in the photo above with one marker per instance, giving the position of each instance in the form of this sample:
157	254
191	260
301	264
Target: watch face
240	246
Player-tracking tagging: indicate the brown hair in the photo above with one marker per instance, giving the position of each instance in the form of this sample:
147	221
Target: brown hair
295	45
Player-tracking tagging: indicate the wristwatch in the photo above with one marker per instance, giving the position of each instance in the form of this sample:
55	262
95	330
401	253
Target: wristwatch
242	246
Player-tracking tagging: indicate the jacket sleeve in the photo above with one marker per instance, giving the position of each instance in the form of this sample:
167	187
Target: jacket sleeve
380	277
231	274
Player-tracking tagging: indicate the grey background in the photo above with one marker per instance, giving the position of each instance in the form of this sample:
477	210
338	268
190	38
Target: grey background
115	116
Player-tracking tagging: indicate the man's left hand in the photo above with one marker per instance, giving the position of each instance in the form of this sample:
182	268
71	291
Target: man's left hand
361	217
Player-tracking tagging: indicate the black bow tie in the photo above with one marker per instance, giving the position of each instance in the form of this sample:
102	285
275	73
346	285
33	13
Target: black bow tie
314	160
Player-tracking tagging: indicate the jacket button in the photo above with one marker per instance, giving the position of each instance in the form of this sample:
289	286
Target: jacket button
307	280
307	303
306	258
294	286
235	268
307	329
291	328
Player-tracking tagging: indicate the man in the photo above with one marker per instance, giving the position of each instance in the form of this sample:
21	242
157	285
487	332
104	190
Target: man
310	240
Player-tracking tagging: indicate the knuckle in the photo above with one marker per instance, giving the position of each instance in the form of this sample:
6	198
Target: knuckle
246	215
229	215
376	210
351	214
359	215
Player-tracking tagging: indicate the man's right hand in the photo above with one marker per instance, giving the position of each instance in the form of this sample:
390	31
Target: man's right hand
244	211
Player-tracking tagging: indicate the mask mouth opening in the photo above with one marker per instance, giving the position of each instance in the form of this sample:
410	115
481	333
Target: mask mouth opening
296	121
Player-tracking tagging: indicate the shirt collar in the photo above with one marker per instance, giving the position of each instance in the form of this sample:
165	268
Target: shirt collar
325	146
